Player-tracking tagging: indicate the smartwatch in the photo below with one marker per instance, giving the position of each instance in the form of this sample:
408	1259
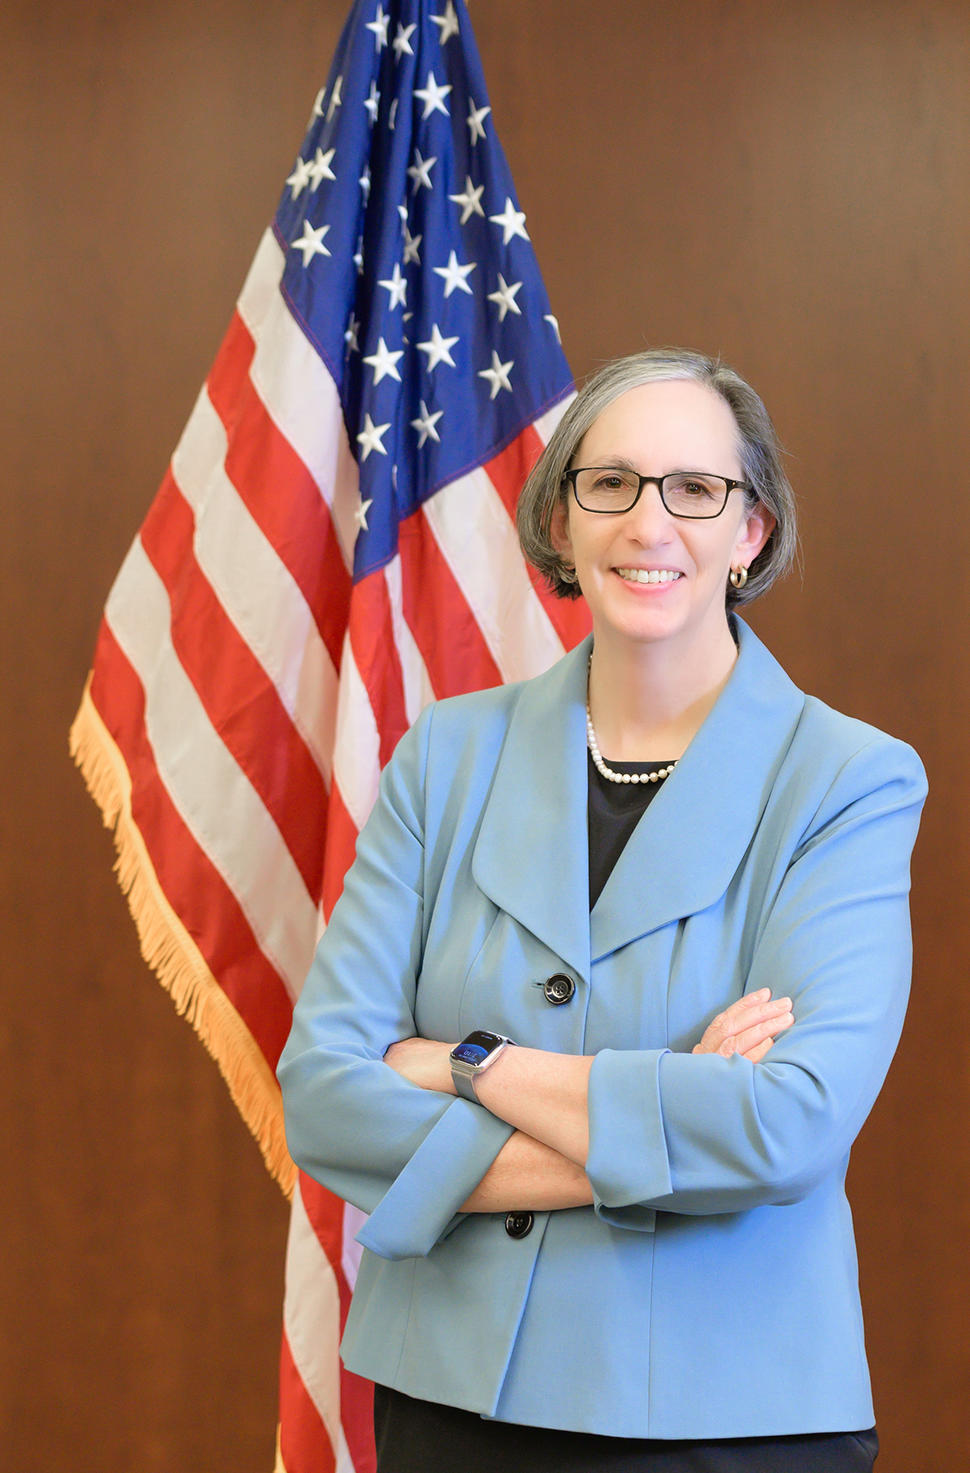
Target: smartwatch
475	1053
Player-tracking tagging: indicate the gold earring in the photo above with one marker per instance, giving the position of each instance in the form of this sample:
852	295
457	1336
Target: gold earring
738	577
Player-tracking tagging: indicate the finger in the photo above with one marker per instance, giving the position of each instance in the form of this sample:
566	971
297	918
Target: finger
756	1054
768	1028
745	1013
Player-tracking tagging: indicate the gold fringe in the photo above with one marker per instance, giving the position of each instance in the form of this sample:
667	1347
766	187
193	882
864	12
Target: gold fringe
170	951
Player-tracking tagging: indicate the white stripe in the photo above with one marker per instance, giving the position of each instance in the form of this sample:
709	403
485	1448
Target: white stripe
487	564
299	394
255	588
418	690
311	1319
357	749
354	1220
211	792
547	422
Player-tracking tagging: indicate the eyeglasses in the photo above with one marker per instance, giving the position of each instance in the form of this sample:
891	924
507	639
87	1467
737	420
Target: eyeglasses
693	494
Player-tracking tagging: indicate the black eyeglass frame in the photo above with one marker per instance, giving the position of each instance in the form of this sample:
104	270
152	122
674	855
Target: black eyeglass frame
685	516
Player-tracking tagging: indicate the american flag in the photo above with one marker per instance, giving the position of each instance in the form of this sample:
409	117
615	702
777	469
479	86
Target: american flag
332	547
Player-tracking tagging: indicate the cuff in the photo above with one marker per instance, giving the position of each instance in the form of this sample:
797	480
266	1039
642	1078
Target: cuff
627	1163
419	1207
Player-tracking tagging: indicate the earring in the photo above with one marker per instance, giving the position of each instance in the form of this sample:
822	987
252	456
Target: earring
567	573
738	577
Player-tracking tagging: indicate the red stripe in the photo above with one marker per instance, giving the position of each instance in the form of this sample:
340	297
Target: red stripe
305	1445
194	888
507	472
444	627
326	1216
240	699
377	659
279	490
341	841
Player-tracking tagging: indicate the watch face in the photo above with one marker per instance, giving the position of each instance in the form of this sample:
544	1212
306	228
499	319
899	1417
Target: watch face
476	1047
470	1053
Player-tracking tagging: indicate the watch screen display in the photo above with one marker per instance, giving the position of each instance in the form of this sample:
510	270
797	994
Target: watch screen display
470	1053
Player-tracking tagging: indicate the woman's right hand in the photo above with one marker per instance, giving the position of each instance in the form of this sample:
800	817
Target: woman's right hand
748	1027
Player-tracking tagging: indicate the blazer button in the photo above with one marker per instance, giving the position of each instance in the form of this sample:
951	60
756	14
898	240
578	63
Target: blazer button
519	1224
558	989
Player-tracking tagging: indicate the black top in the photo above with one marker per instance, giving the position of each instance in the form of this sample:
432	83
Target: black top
613	812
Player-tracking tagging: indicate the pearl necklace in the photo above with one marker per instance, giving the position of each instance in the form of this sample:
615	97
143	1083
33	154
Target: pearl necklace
608	772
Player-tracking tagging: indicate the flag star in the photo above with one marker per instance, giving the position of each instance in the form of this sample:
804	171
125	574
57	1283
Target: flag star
350	336
512	222
433	96
358	256
420	171
364	182
372	103
392	114
300	177
311	243
470	201
438	349
320	168
411	244
379	26
370	437
402	41
397	287
504	298
425	425
318	104
454	275
360	515
475	120
498	374
384	362
447	23
335	98
554	324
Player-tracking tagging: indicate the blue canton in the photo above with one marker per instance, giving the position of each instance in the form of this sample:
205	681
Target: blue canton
409	266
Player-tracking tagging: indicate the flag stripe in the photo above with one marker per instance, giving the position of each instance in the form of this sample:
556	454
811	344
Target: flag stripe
257	591
445	631
238	835
299	392
278	489
192	885
242	704
492	575
377	660
305	1445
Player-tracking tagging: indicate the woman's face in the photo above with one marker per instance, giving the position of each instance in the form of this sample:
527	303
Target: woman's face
672	425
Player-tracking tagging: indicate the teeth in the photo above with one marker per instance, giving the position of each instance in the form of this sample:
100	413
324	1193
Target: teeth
641	575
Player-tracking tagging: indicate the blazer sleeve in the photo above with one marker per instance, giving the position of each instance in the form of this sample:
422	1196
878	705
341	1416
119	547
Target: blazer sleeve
406	1155
701	1134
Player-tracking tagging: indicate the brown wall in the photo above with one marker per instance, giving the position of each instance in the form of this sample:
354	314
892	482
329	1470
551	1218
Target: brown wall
785	182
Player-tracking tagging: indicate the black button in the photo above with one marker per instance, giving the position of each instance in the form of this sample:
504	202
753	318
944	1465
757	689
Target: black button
519	1224
558	989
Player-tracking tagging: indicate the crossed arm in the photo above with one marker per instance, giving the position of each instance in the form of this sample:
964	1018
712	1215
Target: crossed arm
544	1096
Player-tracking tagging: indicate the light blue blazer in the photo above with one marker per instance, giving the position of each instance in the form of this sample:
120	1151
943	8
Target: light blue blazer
711	1291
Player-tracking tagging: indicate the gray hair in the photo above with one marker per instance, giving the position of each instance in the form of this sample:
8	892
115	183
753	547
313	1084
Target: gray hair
759	447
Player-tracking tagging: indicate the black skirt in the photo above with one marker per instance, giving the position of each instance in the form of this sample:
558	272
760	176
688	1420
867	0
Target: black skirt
423	1437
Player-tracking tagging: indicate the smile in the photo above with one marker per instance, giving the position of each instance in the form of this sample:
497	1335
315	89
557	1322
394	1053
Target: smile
651	575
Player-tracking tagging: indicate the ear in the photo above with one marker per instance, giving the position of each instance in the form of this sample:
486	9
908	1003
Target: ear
559	531
755	531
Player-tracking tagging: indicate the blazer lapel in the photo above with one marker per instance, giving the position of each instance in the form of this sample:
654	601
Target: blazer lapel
532	853
683	853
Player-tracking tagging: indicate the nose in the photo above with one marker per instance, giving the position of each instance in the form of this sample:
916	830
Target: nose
649	521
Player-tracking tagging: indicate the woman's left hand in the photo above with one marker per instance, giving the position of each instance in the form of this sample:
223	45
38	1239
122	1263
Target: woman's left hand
424	1062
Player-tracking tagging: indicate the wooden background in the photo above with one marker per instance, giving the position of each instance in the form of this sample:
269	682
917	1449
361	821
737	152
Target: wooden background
783	181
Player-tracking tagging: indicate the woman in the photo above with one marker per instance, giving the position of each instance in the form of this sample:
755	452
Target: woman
622	1242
